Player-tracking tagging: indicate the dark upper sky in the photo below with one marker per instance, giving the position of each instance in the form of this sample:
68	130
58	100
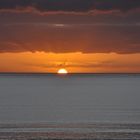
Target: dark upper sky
70	25
70	5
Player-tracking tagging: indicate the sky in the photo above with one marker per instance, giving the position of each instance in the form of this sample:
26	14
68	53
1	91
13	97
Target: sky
82	36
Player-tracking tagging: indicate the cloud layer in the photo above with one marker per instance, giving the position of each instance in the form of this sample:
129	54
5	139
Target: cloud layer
70	32
70	5
62	38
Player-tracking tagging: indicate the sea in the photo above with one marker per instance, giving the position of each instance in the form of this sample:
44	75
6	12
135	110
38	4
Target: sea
74	106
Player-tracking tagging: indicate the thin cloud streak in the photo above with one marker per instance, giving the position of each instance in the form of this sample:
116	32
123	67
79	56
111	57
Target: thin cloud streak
83	65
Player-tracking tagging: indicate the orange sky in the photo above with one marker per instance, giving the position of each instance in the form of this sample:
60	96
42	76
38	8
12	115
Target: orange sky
73	62
79	35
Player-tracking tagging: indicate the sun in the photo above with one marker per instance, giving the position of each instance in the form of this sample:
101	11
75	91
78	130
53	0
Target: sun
62	71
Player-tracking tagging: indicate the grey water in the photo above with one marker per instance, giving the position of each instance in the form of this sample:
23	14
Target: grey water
99	102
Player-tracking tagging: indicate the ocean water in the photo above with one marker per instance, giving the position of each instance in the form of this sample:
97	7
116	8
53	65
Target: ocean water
97	106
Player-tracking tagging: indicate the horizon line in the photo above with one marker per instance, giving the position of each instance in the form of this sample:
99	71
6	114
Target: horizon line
74	73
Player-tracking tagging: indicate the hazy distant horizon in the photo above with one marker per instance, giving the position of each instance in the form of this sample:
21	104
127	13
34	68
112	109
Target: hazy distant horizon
74	73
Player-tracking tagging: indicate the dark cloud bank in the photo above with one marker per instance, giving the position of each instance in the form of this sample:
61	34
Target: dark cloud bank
70	5
70	38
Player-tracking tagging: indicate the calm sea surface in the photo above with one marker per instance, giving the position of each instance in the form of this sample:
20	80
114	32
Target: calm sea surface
79	105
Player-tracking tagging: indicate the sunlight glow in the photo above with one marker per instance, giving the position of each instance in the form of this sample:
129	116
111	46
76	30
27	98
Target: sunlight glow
62	71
